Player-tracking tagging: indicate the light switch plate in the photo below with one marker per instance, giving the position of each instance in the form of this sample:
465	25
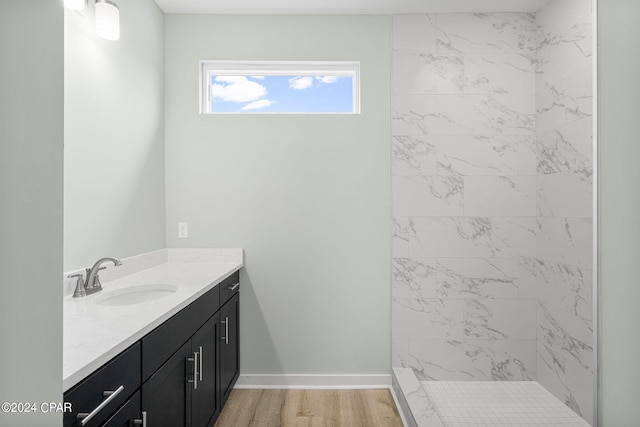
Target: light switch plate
183	230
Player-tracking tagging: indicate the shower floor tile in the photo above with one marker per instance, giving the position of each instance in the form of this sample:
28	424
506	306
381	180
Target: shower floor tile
499	403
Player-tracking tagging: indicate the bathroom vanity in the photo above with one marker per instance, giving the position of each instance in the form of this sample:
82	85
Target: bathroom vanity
165	357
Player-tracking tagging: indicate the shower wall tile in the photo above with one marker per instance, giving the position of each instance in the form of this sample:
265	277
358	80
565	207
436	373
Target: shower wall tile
579	243
561	285
414	155
565	101
565	358
528	155
427	318
501	73
428	73
500	196
477	278
551	239
500	319
482	237
471	155
565	195
482	360
492	190
400	237
427	195
567	148
414	33
566	240
479	154
486	33
565	38
462	115
561	275
414	278
400	353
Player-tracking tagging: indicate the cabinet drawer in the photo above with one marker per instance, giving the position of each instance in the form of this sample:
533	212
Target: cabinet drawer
229	287
166	339
121	375
128	414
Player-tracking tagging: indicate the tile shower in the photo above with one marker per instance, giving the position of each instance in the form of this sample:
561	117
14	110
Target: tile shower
492	198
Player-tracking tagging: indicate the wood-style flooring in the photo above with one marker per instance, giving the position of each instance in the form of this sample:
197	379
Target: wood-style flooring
310	408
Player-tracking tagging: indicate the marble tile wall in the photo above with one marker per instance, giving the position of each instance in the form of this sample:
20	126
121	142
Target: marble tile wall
464	195
492	197
560	276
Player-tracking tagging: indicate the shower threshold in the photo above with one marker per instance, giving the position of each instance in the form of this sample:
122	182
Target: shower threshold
479	403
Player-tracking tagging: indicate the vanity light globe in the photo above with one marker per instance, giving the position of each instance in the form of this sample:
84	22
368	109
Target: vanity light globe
107	20
75	4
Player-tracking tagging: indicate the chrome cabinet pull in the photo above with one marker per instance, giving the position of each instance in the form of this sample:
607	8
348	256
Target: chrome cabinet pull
200	363
143	421
194	359
233	287
110	395
225	338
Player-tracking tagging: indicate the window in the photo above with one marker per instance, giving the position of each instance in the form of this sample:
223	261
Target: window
279	87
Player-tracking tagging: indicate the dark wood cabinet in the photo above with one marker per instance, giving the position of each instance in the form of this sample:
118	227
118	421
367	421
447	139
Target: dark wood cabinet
165	396
178	375
102	392
229	346
204	400
129	414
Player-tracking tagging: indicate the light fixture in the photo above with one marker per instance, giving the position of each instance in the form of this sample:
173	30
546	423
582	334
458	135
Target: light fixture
75	4
107	20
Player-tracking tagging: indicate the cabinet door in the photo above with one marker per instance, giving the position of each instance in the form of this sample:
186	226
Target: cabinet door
204	400
166	396
229	346
128	415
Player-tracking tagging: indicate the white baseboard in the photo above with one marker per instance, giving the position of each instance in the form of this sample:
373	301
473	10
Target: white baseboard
313	381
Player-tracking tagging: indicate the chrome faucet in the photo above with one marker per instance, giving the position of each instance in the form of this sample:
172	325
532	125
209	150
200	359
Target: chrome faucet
93	280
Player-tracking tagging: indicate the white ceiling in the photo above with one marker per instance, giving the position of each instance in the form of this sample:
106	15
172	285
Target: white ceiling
383	7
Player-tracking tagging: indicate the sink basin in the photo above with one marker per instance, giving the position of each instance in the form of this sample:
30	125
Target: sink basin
135	295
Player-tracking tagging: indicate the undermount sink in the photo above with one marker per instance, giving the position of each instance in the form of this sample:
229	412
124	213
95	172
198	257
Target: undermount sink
137	294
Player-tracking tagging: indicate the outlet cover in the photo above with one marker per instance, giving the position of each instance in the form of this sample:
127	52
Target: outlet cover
183	230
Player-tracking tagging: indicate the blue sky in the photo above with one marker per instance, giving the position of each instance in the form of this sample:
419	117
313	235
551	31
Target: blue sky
281	94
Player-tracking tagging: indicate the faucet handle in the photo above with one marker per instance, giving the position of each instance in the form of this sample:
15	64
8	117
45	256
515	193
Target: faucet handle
80	291
96	284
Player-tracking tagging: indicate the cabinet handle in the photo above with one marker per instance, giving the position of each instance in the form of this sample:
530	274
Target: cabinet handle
233	287
194	359
110	395
143	421
200	363
225	338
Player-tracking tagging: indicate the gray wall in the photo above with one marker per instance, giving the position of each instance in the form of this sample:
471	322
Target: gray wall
114	136
31	135
306	196
619	211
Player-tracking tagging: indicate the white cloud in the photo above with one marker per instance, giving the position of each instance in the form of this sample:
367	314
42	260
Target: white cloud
256	105
300	82
237	89
257	77
327	79
231	79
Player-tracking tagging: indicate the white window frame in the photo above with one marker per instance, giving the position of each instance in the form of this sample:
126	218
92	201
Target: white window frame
277	68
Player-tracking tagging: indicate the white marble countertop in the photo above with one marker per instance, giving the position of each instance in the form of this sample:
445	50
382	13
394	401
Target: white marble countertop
94	334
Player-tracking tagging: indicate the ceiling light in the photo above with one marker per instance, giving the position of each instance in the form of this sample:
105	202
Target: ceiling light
75	4
107	20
